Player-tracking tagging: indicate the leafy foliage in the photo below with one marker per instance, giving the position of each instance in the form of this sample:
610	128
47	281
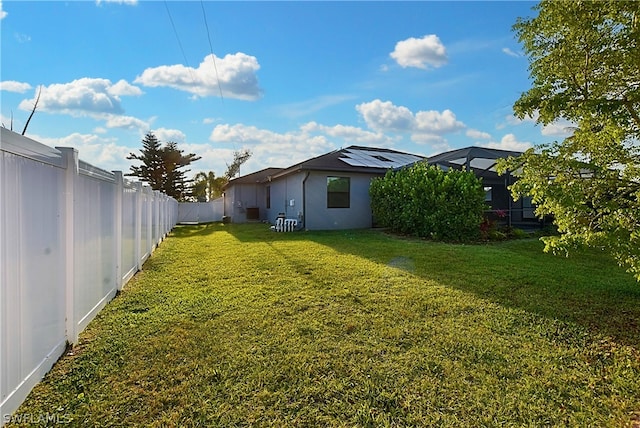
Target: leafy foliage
239	157
163	167
428	202
207	186
584	62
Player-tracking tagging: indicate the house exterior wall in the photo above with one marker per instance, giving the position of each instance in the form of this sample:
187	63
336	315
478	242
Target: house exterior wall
286	197
319	217
240	198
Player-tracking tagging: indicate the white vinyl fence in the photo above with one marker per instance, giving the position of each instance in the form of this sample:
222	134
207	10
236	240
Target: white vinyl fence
71	236
201	212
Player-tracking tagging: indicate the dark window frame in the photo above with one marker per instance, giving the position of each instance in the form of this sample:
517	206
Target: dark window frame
337	197
268	196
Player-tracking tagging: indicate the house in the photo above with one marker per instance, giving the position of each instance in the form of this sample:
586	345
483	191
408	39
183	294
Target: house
482	161
330	191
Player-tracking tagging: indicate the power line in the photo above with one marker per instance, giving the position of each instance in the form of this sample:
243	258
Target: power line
213	57
186	62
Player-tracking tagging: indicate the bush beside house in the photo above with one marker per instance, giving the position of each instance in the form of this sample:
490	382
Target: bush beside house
426	201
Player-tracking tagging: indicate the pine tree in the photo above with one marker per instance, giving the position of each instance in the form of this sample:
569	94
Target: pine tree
163	167
151	170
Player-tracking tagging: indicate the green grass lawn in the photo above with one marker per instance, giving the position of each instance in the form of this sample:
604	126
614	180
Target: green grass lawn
234	325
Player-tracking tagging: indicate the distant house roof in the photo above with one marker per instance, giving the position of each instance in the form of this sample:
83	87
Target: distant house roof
354	159
481	160
255	177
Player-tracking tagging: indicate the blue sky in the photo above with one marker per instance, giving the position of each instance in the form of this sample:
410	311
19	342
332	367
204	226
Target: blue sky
286	80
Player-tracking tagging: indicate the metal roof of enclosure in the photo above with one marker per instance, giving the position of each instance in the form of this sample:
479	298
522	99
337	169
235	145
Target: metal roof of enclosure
480	160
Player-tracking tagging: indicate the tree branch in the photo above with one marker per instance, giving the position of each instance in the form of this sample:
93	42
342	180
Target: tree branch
634	114
35	105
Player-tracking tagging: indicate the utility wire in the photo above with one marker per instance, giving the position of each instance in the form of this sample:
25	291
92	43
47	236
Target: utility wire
213	57
186	62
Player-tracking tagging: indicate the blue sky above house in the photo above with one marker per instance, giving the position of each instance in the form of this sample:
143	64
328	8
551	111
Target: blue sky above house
298	79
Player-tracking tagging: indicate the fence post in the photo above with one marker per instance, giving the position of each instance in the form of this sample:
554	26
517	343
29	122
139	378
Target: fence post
149	201
138	227
117	241
71	172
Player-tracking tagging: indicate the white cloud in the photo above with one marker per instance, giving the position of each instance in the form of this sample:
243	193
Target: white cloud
438	123
425	127
235	77
127	2
559	128
477	135
509	142
3	14
99	151
89	97
385	116
349	134
271	148
511	53
13	86
512	120
166	135
82	97
7	121
124	122
427	52
124	88
22	38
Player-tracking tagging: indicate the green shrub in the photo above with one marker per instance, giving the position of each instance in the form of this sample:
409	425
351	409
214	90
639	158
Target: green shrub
426	201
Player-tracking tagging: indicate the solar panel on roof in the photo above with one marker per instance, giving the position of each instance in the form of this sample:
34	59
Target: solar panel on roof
352	162
377	159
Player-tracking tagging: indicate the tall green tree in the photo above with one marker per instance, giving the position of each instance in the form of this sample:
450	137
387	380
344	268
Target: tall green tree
163	167
584	60
151	170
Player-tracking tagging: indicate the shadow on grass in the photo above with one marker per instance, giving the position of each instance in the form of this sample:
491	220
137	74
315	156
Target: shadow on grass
587	288
202	229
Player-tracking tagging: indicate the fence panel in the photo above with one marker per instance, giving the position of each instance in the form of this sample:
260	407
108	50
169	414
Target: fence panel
94	241
32	302
72	235
200	212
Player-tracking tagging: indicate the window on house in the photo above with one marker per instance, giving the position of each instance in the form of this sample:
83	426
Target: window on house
268	191
488	193
338	192
528	209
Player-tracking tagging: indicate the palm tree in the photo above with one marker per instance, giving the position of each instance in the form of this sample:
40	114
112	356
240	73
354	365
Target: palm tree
207	186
